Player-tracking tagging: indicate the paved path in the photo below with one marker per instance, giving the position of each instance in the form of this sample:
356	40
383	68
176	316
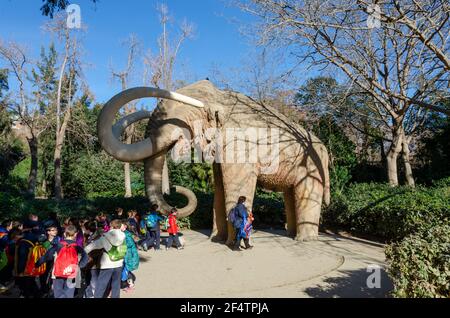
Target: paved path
277	266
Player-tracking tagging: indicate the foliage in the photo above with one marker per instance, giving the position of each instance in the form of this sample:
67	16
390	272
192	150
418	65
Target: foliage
3	81
20	172
387	212
434	152
319	97
196	176
10	147
420	264
51	6
98	175
341	151
268	209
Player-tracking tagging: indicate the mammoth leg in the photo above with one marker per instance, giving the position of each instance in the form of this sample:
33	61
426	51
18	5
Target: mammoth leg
289	208
308	201
219	231
238	180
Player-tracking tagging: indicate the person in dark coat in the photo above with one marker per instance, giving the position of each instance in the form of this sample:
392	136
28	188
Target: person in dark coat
27	284
242	217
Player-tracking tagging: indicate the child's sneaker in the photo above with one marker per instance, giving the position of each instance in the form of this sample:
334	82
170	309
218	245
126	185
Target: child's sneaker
128	289
180	248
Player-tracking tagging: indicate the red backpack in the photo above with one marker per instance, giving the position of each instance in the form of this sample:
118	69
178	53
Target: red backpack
35	252
66	263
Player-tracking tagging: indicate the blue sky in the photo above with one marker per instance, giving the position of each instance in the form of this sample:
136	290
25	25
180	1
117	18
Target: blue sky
217	41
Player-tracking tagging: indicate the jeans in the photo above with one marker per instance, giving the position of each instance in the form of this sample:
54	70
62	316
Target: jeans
155	238
173	237
90	290
45	280
152	238
63	287
106	276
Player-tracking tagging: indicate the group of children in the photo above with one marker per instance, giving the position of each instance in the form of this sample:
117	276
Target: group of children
83	258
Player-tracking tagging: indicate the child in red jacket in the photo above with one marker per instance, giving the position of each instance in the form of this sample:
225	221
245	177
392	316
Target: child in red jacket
173	230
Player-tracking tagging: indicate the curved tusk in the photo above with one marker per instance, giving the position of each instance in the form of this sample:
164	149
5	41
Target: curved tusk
120	126
185	99
109	140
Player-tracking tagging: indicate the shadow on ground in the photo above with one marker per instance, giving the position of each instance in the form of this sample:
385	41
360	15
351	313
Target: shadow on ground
353	284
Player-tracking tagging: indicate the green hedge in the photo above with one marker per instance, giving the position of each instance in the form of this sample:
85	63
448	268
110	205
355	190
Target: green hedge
389	213
416	221
420	264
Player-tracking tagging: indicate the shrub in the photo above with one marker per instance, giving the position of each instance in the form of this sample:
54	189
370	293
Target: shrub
420	264
268	209
387	212
99	175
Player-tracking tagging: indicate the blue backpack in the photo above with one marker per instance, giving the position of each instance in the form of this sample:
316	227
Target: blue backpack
152	220
232	216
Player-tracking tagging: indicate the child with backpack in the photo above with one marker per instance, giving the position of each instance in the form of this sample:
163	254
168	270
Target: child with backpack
68	258
173	231
153	233
131	262
109	269
52	240
27	251
5	268
133	222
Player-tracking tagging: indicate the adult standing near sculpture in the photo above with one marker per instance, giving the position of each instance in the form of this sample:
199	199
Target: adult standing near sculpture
241	219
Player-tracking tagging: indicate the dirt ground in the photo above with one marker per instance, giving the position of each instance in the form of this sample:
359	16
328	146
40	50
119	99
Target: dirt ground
277	266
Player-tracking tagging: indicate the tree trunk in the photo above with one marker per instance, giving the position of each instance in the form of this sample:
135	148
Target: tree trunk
392	155
44	179
32	177
406	161
60	135
57	164
382	152
126	168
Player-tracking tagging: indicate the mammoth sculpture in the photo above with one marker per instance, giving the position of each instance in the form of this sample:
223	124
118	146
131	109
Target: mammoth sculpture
297	163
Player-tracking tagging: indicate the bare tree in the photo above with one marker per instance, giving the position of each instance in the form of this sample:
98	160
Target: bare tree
427	20
29	118
159	68
123	77
386	62
63	115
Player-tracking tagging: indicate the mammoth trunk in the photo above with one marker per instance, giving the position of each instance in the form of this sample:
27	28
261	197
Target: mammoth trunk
154	176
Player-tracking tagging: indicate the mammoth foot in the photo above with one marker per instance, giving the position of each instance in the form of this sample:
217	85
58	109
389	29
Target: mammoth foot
306	238
218	239
307	232
229	242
